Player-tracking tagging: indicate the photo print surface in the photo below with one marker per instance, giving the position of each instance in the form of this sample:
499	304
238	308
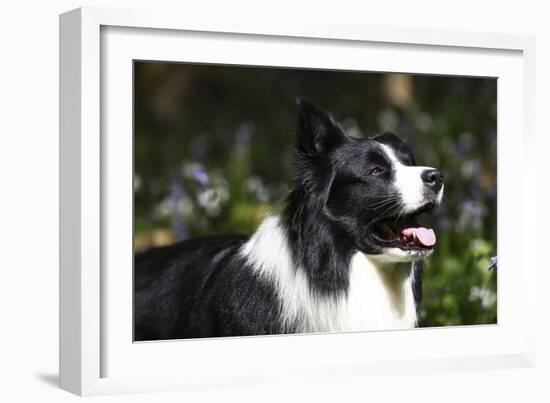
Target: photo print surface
280	201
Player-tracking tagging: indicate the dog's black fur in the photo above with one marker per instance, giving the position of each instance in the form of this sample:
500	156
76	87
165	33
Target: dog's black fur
201	288
206	287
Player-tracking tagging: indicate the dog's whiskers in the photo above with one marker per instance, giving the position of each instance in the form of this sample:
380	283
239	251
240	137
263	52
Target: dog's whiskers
394	205
383	203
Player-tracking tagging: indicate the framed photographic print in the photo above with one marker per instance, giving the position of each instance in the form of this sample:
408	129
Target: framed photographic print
236	199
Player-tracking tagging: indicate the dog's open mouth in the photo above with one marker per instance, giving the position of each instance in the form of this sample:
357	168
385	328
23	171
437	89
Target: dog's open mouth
404	232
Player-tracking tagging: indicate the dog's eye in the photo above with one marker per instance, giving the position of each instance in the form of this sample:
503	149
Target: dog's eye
376	171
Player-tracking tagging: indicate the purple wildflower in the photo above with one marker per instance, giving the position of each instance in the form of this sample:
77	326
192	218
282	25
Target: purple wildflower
493	263
200	174
177	193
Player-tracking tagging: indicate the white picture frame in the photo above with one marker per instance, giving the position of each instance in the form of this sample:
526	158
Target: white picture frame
97	357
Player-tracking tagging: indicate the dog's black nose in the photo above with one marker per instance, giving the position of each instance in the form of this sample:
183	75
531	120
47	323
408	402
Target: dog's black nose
433	179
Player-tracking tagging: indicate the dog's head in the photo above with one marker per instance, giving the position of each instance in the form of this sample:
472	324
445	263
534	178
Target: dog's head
370	189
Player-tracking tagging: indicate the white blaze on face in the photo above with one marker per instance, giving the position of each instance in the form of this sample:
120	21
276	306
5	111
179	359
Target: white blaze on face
408	181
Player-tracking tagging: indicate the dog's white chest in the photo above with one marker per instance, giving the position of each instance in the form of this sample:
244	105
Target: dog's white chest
379	297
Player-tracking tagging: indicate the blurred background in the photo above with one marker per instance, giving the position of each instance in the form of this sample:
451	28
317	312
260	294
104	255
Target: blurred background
213	150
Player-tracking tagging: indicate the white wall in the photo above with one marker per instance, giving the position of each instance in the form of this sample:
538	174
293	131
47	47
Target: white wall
29	188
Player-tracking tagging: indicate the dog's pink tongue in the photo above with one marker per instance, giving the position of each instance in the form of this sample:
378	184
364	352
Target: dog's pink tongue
426	236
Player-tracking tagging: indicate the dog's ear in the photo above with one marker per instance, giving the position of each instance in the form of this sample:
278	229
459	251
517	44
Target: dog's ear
397	143
318	132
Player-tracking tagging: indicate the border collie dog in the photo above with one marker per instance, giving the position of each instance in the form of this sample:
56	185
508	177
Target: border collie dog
342	254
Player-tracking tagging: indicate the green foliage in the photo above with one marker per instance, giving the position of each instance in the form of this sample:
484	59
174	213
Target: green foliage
213	153
459	289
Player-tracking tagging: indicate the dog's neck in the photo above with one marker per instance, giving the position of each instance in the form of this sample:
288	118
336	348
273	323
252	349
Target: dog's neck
318	247
376	295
